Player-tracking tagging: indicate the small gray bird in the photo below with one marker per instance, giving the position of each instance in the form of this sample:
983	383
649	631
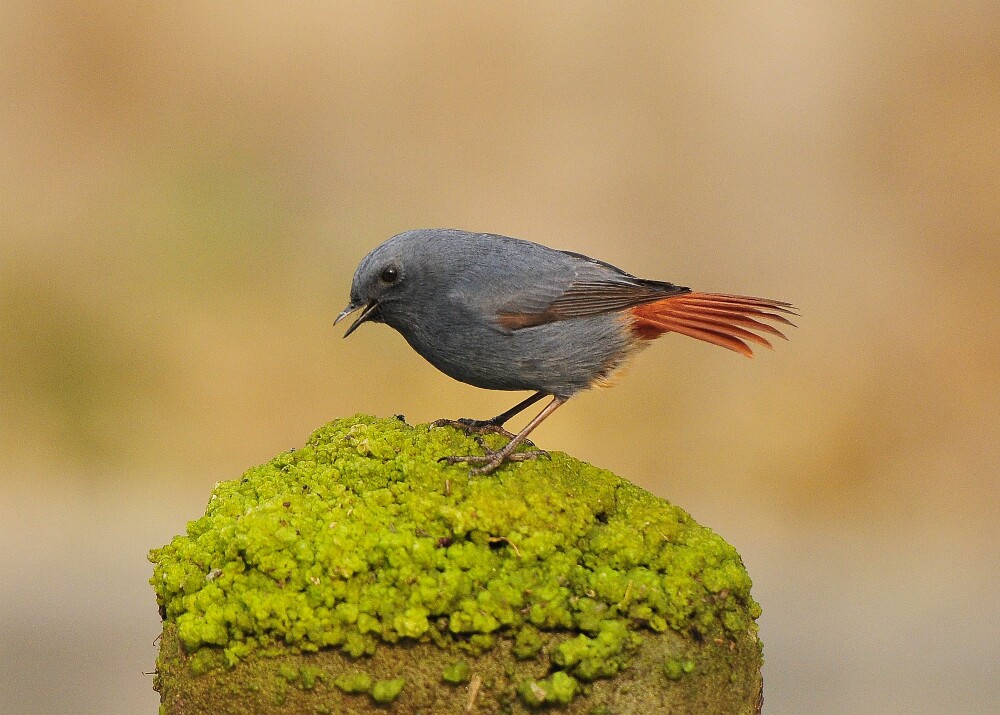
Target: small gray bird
505	314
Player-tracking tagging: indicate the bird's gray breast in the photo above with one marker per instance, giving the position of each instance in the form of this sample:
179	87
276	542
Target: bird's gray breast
559	358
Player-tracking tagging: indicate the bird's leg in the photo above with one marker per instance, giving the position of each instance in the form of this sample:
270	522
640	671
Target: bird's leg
494	425
494	458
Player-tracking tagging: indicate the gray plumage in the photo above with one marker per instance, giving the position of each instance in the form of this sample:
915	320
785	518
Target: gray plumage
458	296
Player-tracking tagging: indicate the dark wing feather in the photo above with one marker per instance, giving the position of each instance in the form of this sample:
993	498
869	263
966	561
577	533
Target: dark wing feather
593	297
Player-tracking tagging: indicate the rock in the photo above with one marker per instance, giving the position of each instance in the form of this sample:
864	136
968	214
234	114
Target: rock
359	575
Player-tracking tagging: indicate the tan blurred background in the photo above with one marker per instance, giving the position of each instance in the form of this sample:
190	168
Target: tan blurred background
186	193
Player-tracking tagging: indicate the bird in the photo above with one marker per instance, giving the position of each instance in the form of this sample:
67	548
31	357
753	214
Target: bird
503	313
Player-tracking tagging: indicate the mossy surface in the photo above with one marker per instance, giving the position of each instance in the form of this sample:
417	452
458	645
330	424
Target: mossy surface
362	540
457	672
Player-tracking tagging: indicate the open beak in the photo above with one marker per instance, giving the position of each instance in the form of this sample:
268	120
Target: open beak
368	313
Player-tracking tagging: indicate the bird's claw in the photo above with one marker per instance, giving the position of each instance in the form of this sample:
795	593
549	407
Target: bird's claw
492	460
478	427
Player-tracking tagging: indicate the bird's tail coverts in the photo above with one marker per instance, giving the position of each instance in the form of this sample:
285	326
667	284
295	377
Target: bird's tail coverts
731	321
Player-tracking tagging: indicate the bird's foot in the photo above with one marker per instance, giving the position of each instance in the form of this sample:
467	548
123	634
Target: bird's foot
477	427
492	460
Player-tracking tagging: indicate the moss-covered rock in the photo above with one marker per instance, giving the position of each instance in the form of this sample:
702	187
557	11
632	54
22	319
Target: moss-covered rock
349	575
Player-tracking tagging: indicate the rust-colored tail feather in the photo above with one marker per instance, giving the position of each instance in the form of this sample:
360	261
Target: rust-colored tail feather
725	320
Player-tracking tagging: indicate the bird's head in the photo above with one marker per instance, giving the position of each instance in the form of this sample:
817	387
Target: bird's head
389	279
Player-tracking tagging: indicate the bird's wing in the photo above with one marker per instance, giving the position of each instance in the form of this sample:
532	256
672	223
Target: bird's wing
589	287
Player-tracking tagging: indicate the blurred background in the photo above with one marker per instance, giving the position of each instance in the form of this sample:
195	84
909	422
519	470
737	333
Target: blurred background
188	191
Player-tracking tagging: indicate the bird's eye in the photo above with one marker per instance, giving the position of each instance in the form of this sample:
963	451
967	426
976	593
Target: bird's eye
389	274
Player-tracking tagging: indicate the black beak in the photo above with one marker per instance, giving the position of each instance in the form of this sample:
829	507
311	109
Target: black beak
367	314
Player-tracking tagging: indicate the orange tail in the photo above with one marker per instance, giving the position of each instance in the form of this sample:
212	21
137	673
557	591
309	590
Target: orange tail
726	320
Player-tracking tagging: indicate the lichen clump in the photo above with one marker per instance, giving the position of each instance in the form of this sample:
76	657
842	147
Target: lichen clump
363	537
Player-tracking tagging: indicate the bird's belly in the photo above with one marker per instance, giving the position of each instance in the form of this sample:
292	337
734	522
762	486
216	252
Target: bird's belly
559	358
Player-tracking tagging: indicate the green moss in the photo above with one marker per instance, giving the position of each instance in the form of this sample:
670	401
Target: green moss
385	691
288	672
527	643
601	657
674	668
356	682
560	689
532	692
457	672
205	660
309	676
363	539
